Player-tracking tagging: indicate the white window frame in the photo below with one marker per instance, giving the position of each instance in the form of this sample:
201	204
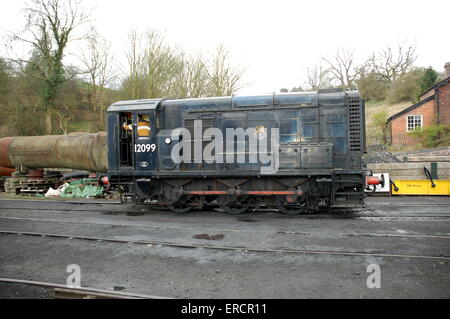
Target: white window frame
421	122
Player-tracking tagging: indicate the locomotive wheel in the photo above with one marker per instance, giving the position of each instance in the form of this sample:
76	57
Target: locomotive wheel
232	206
234	209
291	209
177	205
180	208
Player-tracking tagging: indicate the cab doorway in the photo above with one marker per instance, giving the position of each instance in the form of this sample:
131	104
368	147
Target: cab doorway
126	139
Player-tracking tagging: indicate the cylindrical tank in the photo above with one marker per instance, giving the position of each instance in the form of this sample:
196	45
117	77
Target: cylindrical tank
84	151
4	171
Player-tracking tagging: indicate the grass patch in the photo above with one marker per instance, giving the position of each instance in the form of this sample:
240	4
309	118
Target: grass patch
375	111
79	126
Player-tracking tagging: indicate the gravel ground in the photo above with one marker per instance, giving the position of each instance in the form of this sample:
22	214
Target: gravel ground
415	225
20	291
381	157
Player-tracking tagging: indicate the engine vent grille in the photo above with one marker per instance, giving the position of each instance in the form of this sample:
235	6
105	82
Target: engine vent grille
354	116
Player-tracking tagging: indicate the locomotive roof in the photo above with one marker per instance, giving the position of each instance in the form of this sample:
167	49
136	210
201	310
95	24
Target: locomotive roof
306	98
135	105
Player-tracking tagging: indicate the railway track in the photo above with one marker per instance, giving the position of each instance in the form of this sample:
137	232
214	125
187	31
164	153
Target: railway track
337	214
153	243
227	230
118	203
64	292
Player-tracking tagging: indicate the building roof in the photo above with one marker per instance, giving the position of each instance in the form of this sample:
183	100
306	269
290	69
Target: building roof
435	86
412	107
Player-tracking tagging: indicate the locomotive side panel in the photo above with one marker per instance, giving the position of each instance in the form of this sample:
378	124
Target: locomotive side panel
320	140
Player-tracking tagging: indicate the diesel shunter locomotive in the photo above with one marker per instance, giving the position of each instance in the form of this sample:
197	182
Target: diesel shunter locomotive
315	141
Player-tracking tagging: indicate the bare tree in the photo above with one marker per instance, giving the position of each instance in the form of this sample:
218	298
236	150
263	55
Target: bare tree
63	120
390	65
160	65
151	66
135	72
224	79
191	77
197	77
5	74
342	68
155	70
98	65
318	77
49	28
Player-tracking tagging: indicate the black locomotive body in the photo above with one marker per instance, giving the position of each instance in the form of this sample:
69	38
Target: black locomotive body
321	138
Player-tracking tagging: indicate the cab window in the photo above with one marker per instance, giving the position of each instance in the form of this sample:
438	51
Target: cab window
143	125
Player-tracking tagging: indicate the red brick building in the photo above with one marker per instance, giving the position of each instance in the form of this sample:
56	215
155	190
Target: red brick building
433	108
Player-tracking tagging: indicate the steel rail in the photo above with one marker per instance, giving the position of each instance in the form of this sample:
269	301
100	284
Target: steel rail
83	290
315	215
280	232
229	248
116	203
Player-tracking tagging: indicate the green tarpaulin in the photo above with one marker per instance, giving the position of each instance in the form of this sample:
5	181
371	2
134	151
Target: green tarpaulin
82	188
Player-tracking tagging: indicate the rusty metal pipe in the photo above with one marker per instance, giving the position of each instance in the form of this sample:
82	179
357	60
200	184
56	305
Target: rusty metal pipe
262	193
5	142
4	171
84	151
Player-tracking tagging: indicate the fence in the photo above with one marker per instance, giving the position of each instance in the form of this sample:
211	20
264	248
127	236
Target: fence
405	143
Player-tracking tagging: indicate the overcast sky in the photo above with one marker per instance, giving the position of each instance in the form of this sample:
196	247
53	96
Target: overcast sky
275	41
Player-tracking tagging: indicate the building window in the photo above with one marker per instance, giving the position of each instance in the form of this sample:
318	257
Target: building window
413	122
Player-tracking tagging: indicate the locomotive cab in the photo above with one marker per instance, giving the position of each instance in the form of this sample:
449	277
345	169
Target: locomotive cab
133	144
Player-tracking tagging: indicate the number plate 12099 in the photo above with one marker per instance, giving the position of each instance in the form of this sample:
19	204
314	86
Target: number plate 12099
143	148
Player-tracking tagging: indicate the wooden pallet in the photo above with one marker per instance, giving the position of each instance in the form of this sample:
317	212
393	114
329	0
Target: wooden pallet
2	184
30	191
29	186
